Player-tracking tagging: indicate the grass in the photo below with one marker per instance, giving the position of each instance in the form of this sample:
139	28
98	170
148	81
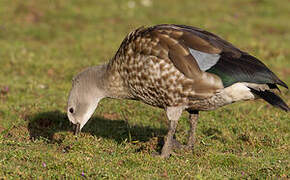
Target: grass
45	43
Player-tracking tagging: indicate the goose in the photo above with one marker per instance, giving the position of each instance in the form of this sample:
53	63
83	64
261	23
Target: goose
177	68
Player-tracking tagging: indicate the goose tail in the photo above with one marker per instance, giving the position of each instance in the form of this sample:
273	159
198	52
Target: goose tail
271	98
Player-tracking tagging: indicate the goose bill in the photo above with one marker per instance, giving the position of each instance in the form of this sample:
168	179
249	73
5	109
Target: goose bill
76	128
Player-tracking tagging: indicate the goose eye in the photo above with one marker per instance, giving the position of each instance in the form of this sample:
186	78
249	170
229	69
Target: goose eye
71	110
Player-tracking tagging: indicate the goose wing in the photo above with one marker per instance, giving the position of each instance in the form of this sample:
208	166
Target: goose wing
193	51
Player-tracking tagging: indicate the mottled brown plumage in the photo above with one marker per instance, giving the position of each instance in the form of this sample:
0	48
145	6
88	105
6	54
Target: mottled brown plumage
177	68
159	70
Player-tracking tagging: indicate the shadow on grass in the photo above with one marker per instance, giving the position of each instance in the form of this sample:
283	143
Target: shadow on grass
46	124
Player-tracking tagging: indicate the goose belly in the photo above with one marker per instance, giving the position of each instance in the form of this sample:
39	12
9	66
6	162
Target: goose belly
229	95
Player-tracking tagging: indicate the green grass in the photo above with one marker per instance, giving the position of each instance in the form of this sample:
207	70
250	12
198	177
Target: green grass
43	44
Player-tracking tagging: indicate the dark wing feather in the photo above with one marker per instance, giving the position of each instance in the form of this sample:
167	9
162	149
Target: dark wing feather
244	69
214	40
233	66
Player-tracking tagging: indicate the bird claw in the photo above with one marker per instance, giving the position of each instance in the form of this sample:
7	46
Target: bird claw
176	144
160	155
188	147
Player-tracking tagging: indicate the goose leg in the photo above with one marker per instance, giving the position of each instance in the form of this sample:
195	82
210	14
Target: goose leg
173	114
193	118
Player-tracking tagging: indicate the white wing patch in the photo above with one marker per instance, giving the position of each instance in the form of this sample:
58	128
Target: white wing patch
204	60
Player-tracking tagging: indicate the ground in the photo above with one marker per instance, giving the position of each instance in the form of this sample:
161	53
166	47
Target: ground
45	43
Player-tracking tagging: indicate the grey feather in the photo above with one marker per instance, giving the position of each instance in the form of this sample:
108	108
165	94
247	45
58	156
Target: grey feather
204	60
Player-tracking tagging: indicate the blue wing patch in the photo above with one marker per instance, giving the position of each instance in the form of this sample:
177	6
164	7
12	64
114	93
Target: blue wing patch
204	60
